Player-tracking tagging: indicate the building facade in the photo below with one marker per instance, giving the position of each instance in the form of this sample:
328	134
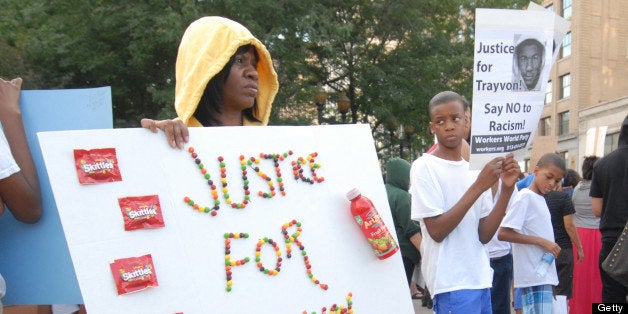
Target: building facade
588	84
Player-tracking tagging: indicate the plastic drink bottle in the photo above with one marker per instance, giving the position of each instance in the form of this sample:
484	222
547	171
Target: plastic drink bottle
372	225
543	266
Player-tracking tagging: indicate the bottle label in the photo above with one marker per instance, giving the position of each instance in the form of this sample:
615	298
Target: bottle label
376	233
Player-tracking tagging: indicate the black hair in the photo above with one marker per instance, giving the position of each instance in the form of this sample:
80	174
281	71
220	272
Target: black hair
572	177
587	166
211	102
447	96
552	159
530	42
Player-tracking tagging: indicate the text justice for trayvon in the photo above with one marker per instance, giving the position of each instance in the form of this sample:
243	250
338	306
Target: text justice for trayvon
484	86
481	85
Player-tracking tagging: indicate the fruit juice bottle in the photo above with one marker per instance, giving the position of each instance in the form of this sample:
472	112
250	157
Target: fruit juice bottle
372	225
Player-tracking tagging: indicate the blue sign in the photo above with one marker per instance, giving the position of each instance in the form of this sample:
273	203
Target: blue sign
34	259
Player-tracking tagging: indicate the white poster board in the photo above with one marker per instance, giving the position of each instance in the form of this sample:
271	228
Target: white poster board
595	141
512	59
189	252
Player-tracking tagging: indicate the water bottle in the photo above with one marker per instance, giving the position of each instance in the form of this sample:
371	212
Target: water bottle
372	225
543	266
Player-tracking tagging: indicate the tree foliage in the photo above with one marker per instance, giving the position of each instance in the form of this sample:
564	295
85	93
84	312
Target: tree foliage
389	57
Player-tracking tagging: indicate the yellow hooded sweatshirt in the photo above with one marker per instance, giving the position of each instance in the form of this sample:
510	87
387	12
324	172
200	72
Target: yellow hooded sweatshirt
206	47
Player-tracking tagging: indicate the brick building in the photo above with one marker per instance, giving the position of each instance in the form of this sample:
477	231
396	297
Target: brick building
589	81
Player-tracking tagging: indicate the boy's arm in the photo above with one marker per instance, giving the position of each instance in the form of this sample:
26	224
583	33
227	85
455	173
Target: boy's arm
439	227
416	240
489	224
510	235
20	191
570	227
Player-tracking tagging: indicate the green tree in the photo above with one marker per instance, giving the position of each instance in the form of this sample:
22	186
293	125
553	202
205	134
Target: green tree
389	57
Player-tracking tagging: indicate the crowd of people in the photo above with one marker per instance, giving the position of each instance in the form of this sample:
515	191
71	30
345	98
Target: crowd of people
474	235
553	212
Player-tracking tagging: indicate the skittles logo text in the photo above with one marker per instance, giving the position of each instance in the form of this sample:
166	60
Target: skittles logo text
141	213
137	274
99	166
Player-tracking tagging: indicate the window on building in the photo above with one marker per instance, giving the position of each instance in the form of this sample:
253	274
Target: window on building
544	126
548	93
566	9
527	167
564	155
566	46
563	123
565	82
610	143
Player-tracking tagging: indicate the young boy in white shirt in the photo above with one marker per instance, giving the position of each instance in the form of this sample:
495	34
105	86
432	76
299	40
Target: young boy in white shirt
528	226
456	213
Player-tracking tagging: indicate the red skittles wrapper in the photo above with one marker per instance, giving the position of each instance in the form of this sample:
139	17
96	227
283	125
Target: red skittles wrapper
97	165
134	274
141	212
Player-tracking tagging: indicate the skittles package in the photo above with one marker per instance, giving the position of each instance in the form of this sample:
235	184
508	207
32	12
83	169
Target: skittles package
97	165
141	212
134	274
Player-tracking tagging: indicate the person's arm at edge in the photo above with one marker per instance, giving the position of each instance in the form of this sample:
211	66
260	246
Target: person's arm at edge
21	191
570	227
596	206
416	240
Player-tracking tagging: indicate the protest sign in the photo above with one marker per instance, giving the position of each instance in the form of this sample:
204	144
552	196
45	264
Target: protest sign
595	141
277	194
35	259
512	59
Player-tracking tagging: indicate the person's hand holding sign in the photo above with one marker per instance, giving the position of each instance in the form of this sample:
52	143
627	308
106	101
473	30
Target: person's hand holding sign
490	173
510	171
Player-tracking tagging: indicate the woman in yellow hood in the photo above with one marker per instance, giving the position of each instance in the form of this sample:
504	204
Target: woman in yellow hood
224	77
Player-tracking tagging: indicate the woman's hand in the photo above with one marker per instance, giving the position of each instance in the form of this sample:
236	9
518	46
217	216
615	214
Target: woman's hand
176	131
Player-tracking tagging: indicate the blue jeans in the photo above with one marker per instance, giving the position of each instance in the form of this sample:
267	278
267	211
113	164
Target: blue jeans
502	277
463	302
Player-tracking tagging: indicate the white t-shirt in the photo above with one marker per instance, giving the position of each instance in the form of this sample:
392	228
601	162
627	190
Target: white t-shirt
529	215
495	247
7	163
460	261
